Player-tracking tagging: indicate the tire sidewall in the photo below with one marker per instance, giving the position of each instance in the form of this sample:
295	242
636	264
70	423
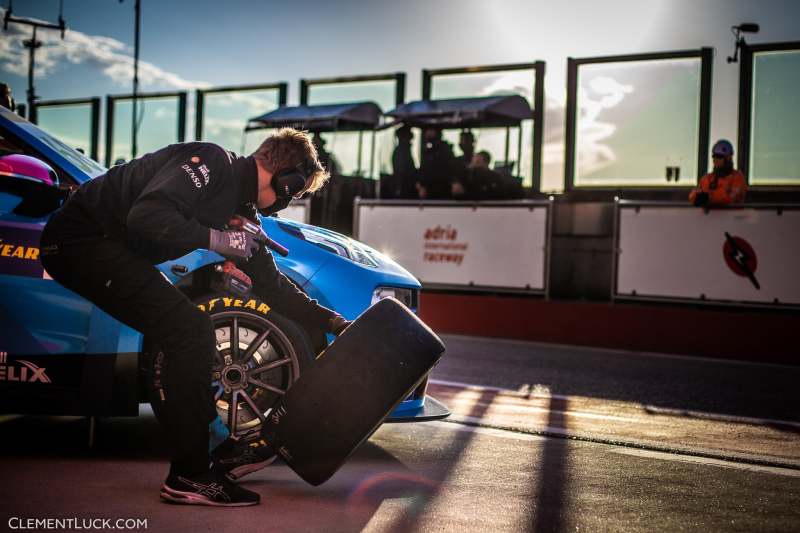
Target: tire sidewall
214	304
218	303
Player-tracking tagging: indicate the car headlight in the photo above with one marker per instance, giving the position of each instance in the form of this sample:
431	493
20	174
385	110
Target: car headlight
332	242
408	297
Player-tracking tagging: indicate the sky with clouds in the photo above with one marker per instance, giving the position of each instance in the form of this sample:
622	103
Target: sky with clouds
201	43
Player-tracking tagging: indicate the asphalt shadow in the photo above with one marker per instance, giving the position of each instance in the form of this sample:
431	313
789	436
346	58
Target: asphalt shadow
552	490
675	382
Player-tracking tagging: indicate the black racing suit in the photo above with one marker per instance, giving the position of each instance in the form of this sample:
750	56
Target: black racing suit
104	241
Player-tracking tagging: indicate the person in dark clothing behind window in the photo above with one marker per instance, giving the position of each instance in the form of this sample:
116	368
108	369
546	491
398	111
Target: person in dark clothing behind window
437	167
458	186
103	242
405	173
487	184
324	204
466	141
326	159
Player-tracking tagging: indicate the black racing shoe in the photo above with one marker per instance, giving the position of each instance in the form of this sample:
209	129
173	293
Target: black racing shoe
237	457
210	488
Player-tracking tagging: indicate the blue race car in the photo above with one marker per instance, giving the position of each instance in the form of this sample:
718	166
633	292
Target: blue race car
59	354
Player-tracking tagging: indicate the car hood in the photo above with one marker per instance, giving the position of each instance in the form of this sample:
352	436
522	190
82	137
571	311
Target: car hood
344	248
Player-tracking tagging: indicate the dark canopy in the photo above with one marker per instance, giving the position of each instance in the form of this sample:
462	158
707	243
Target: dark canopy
488	111
318	118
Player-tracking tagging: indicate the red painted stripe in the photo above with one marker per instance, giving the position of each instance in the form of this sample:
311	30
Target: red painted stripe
743	335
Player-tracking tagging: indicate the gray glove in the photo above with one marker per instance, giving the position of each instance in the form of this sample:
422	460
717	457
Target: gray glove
234	244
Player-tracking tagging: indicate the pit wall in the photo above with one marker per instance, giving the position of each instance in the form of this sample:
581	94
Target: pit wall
579	309
761	336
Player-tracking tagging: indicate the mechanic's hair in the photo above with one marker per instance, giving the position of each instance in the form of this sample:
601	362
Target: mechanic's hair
289	148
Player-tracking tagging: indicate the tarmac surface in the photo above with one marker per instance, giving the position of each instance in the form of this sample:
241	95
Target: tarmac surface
542	438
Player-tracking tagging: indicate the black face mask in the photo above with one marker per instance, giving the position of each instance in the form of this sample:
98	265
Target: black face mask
287	184
724	170
278	205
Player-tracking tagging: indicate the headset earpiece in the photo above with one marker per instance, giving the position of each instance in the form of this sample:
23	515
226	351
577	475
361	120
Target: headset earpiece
288	182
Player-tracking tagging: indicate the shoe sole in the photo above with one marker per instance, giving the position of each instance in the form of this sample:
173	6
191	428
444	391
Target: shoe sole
241	471
192	498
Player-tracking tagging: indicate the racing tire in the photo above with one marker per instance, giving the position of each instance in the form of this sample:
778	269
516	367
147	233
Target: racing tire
259	355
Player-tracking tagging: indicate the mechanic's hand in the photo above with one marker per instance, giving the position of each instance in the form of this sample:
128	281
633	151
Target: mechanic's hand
234	244
337	324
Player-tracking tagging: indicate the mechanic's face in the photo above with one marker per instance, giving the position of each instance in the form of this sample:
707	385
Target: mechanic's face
719	161
267	197
431	134
478	161
266	194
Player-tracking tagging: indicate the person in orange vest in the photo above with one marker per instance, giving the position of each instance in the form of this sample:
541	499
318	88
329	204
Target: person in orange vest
722	186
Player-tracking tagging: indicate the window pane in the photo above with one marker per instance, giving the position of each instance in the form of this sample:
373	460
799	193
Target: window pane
382	92
774	145
344	146
225	116
635	119
71	123
158	125
493	140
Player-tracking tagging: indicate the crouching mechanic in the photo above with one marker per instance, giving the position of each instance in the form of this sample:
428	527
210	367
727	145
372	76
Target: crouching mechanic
104	241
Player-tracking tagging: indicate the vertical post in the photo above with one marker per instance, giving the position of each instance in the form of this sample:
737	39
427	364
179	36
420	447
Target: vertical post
94	147
360	143
519	152
548	245
508	142
745	111
400	88
92	424
538	126
283	93
372	158
32	44
356	215
426	84
199	104
706	69
569	148
181	116
615	249
134	113
109	129
303	92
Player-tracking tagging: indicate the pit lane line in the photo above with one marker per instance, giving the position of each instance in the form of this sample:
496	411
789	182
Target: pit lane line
649	409
635	452
643	446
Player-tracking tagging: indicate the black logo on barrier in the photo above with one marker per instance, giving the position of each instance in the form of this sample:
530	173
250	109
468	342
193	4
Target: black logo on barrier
741	258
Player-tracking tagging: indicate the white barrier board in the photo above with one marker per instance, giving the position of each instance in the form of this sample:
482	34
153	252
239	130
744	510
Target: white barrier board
297	211
678	252
461	245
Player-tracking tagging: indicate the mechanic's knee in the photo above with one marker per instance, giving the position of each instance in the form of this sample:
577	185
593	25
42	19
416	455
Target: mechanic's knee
188	328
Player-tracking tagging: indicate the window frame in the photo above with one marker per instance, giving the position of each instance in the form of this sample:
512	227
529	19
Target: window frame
200	94
94	119
745	123
111	99
399	79
537	132
706	56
